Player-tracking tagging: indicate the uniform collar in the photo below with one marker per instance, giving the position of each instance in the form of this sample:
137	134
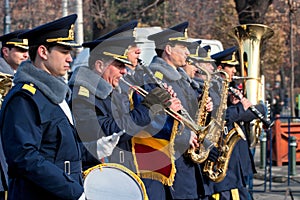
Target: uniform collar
53	87
5	67
159	65
83	76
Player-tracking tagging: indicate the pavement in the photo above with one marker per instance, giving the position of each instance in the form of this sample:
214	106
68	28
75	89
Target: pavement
273	182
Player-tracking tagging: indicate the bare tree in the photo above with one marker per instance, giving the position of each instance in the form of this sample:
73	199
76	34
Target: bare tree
252	11
107	15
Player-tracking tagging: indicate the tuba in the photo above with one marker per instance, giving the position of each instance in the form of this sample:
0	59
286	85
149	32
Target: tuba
249	38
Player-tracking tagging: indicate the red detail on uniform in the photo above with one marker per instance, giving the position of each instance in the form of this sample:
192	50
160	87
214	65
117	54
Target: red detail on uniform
240	86
152	160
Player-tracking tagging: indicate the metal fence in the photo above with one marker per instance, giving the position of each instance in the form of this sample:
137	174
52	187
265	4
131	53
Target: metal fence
268	166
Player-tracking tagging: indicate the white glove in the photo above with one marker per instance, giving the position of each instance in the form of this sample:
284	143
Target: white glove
82	197
106	145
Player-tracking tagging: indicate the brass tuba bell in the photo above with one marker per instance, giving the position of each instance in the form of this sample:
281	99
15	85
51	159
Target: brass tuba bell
250	38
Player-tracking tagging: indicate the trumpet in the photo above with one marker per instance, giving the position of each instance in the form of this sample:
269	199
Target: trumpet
199	130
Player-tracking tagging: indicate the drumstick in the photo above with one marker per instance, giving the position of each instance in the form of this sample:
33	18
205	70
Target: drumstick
119	134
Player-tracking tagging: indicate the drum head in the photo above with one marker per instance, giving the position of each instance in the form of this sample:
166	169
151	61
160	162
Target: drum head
111	183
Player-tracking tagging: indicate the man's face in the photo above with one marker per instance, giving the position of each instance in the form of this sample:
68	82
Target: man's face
133	55
14	56
208	66
190	70
230	70
113	72
178	55
58	60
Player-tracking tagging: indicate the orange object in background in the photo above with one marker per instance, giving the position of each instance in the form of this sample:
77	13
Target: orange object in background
280	142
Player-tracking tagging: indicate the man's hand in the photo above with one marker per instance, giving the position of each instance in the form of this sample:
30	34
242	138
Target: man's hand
169	88
106	145
194	140
238	97
209	104
246	103
157	96
175	104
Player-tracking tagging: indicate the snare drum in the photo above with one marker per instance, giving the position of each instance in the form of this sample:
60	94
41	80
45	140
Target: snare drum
110	181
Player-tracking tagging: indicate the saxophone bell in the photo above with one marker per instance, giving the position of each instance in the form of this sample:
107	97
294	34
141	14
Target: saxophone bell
216	171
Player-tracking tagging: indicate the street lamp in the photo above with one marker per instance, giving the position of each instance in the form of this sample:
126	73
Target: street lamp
292	9
6	20
64	8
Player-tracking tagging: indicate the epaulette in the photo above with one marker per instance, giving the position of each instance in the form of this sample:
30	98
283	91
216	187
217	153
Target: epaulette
29	87
83	92
159	75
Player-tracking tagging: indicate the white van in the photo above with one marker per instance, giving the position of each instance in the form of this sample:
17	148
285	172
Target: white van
147	46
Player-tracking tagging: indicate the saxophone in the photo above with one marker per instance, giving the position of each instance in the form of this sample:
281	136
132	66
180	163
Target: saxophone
212	135
199	154
216	125
6	81
217	171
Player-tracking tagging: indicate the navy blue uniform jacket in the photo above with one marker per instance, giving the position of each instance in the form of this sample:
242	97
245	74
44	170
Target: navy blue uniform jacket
38	138
186	184
100	110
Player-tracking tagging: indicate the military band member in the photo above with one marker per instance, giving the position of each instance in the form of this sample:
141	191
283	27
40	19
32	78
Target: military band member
43	151
101	106
205	61
133	52
171	49
189	70
241	162
13	52
202	58
195	75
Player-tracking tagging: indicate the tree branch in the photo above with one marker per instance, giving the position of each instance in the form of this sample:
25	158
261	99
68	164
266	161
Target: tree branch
154	4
